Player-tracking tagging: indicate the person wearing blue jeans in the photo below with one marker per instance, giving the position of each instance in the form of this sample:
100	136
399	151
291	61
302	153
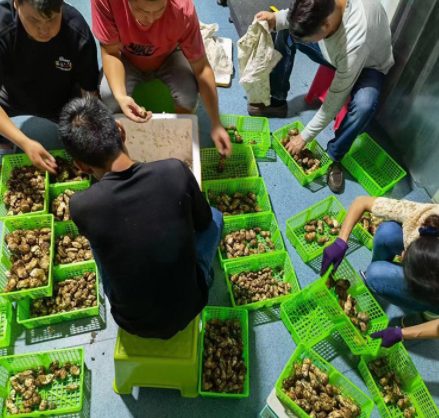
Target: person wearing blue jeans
352	38
206	245
409	230
153	233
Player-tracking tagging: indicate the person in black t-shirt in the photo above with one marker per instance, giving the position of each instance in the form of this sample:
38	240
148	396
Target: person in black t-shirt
47	56
153	234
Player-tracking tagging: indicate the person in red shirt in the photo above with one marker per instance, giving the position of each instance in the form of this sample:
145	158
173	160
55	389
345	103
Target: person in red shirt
146	39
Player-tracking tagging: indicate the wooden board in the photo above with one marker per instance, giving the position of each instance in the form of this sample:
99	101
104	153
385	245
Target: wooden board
224	80
165	136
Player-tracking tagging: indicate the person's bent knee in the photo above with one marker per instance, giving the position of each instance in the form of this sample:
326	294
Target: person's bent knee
375	276
387	232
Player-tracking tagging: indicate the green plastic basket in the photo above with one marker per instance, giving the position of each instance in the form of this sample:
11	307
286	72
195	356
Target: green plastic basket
259	262
62	228
9	162
365	237
328	301
217	312
305	319
347	388
66	401
63	154
310	250
5	324
374	169
251	129
242	163
413	386
57	189
60	274
288	160
25	223
254	185
266	221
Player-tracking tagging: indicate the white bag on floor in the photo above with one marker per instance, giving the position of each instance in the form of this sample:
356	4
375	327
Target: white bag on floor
218	59
257	59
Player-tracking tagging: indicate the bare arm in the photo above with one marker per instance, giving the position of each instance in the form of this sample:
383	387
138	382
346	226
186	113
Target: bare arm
429	330
37	154
361	204
115	72
206	84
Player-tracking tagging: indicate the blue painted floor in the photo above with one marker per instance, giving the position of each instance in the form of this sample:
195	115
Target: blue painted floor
270	343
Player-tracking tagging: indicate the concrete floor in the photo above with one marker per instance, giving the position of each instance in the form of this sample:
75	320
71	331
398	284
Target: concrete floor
271	344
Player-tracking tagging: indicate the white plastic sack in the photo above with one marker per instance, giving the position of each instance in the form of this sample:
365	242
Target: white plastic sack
218	59
257	59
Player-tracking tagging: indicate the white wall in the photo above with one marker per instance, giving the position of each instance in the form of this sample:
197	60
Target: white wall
390	6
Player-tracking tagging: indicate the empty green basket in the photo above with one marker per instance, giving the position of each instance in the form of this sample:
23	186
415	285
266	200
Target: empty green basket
374	169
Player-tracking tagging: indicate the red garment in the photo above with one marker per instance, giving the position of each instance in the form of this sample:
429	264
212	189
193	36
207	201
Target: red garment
147	48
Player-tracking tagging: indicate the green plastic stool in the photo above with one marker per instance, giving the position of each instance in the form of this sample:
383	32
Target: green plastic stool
154	96
171	364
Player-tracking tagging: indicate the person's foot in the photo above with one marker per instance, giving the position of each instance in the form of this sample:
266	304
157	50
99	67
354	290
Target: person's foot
417	319
277	109
335	177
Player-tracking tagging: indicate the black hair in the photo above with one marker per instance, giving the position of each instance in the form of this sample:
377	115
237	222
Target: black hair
45	7
421	264
306	17
89	132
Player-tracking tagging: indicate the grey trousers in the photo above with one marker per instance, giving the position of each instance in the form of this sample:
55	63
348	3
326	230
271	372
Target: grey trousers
176	73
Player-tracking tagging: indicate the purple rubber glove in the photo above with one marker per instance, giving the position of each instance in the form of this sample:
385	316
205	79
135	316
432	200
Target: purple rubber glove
333	254
390	336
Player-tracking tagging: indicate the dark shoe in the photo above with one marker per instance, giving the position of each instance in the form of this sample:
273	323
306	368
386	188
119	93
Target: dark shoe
277	109
335	178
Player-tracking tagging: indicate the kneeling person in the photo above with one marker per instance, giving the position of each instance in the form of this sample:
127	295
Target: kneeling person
153	234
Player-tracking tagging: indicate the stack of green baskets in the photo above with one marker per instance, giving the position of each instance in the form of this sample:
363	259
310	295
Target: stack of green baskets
347	388
254	132
243	185
9	162
216	312
60	273
295	233
266	221
276	260
288	160
67	402
242	163
30	222
400	362
374	169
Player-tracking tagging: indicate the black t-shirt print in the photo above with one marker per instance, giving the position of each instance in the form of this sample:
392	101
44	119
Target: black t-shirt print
38	78
141	50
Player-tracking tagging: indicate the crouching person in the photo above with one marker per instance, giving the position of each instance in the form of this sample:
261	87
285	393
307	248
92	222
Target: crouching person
153	234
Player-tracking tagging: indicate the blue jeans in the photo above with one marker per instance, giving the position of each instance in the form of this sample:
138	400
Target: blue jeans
206	245
364	95
385	278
